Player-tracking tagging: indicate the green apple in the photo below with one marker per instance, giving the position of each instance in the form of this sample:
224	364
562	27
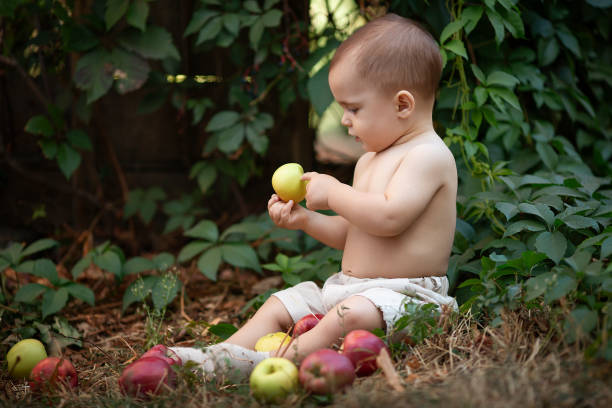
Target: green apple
272	341
287	184
273	379
23	356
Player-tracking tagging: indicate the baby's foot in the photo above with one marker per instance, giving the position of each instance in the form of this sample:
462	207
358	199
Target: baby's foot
227	359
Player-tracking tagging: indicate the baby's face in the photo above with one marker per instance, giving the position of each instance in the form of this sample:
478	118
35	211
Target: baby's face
370	115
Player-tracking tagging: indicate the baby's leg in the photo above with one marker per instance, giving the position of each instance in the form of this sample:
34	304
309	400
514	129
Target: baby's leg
356	312
271	317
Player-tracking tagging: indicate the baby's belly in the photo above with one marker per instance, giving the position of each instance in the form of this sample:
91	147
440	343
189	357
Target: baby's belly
366	256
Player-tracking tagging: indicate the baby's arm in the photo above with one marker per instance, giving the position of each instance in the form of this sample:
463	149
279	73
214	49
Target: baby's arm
330	230
419	176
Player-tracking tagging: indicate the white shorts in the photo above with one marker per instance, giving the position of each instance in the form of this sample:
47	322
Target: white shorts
390	296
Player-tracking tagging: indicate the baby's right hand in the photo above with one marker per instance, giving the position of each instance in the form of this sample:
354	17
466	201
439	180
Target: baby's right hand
286	214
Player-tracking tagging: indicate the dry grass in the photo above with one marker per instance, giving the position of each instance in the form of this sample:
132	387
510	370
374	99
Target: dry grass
519	364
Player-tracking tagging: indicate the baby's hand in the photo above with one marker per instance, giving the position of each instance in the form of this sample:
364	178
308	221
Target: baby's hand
317	190
286	214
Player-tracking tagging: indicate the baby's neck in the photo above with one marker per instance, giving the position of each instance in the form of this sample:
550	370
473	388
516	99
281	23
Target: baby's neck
419	124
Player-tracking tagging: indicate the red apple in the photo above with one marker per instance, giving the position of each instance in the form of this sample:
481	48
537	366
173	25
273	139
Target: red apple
362	347
326	371
306	323
53	370
163	352
147	375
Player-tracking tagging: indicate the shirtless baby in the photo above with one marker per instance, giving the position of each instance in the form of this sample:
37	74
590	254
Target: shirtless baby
395	224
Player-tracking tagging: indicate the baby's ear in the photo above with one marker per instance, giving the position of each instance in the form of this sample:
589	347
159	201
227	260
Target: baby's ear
404	103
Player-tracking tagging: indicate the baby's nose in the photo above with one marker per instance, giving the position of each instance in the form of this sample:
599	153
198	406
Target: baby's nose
345	121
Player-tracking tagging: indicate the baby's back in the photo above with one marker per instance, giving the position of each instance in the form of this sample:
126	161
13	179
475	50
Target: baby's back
423	247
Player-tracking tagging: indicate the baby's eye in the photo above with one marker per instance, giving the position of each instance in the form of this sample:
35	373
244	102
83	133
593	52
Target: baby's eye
353	110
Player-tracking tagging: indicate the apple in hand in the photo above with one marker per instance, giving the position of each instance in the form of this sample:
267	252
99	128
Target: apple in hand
163	352
53	370
272	341
147	375
326	371
362	347
273	379
23	356
287	184
306	323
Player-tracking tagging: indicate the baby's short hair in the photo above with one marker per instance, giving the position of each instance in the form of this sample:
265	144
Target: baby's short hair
395	53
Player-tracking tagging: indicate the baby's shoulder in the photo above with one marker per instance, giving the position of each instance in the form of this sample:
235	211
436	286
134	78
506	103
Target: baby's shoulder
431	153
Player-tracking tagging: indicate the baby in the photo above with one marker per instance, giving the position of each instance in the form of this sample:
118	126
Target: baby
395	224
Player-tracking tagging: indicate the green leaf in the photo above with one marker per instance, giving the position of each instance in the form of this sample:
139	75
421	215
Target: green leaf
109	261
45	268
240	255
255	33
536	286
223	330
204	229
131	71
457	47
502	78
164	261
200	17
38	246
539	210
579	323
548	50
138	290
606	247
514	24
54	301
206	178
165	290
252	6
79	139
318	90
94	73
251	230
568	40
192	249
231	138
81	265
507	95
40	125
209	263
137	14
222	120
548	155
231	22
553	244
523	225
137	264
580	222
498	25
210	30
480	95
115	9
154	43
27	293
508	209
561	286
271	18
451	29
68	159
48	147
81	292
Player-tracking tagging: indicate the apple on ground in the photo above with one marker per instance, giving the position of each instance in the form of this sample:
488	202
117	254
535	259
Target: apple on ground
163	352
306	323
273	379
23	356
287	182
272	341
362	347
326	371
147	375
50	372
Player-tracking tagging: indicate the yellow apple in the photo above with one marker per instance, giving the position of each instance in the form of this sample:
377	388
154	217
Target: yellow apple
287	184
273	379
23	356
272	341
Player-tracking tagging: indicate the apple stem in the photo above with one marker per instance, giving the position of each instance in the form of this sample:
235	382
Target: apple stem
280	354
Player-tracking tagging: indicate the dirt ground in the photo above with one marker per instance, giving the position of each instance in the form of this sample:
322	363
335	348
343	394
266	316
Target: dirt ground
519	364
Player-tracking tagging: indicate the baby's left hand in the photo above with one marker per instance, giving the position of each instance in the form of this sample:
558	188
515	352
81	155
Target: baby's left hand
317	190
